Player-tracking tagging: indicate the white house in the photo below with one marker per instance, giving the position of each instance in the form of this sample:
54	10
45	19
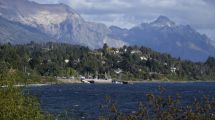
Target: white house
173	69
143	58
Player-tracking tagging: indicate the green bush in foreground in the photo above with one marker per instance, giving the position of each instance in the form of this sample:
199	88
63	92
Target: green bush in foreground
14	104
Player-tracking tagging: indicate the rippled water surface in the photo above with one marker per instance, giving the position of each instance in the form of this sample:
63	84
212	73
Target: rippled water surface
83	100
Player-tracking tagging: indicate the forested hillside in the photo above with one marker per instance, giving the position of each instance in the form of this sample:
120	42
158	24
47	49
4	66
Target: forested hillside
127	63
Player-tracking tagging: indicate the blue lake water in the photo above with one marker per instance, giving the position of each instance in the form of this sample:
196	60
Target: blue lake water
84	100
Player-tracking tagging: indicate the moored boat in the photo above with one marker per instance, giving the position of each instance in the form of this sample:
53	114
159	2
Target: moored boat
119	82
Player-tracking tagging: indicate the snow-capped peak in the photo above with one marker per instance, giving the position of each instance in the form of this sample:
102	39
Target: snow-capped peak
163	21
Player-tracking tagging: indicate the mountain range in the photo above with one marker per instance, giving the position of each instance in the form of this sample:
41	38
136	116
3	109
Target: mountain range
165	36
56	21
23	21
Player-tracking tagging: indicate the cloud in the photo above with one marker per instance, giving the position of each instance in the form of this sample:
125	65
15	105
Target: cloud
211	2
46	1
126	13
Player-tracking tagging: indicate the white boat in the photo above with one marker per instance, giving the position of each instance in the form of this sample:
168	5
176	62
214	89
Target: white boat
99	81
106	80
87	81
119	82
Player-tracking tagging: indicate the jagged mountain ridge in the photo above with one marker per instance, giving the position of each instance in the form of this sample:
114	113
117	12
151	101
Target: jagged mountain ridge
58	21
165	36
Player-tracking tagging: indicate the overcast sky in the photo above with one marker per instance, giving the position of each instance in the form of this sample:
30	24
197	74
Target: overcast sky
200	14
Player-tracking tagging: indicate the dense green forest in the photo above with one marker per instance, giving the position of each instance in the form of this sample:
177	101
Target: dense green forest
36	62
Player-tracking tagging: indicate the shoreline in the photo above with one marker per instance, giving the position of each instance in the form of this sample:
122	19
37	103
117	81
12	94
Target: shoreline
160	81
29	85
79	82
129	82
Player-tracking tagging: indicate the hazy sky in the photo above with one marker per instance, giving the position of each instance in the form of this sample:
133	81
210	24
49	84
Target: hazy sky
200	14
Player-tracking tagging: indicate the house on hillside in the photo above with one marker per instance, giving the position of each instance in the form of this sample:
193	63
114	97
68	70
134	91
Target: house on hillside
144	58
136	52
173	69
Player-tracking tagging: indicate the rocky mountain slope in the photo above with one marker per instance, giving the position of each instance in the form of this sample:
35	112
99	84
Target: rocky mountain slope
16	33
165	36
58	21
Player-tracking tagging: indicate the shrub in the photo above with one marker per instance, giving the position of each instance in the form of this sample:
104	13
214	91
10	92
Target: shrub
158	107
14	104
